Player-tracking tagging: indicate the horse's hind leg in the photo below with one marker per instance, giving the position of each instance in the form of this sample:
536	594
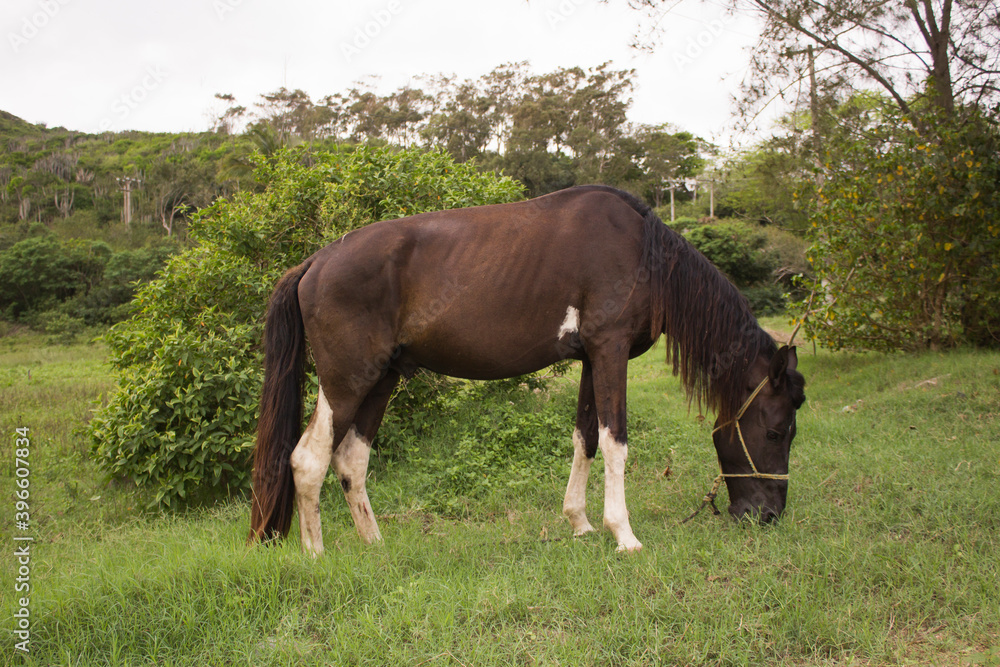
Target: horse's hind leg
350	460
310	461
584	450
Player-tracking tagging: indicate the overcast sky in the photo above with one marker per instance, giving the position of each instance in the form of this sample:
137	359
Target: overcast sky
92	65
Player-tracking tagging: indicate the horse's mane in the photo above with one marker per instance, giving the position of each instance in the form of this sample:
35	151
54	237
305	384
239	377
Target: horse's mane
712	335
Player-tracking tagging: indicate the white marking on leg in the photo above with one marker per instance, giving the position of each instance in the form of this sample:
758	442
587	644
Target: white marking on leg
310	461
350	461
575	503
615	512
571	324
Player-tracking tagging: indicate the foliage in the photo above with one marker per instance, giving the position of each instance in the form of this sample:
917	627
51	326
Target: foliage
61	286
189	366
765	184
549	130
109	300
37	271
183	419
498	439
666	157
48	175
938	57
906	239
736	250
745	255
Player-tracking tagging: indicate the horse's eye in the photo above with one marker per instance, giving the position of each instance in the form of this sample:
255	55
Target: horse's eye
773	436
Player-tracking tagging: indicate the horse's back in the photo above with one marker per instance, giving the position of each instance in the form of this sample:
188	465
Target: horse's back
483	291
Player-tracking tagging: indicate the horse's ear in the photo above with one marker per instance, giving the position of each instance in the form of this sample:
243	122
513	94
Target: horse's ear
784	360
793	359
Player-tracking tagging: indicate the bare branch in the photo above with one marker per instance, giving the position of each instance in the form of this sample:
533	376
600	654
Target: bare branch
835	46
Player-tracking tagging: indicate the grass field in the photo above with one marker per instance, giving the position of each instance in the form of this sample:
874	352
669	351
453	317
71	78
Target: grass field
887	554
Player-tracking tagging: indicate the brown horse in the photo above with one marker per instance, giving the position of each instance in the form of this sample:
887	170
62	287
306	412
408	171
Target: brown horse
589	273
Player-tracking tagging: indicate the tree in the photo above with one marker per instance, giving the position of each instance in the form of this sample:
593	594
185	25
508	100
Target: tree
666	158
464	118
932	53
904	156
292	113
227	122
567	126
923	54
906	240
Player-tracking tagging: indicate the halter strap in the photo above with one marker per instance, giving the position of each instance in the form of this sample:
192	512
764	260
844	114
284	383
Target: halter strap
756	474
709	498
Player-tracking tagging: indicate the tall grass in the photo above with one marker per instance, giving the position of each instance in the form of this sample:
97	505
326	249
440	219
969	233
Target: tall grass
886	555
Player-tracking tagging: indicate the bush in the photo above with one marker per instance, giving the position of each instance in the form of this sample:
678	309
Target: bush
736	250
750	258
35	273
110	300
63	329
488	438
766	299
182	421
905	239
189	366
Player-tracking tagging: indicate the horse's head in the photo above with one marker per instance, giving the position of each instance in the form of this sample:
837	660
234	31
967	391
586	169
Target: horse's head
753	447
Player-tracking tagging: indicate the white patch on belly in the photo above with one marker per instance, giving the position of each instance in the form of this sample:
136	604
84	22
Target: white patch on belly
571	324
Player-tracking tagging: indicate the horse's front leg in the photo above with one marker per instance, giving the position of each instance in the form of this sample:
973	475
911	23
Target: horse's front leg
615	452
610	363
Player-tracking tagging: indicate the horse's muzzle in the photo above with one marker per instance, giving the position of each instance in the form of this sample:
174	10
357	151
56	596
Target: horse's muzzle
744	511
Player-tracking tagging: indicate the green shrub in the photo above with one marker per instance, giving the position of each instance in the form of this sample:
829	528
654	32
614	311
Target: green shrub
905	238
63	329
749	256
683	224
737	250
48	283
109	301
182	421
35	273
189	366
766	299
484	438
788	255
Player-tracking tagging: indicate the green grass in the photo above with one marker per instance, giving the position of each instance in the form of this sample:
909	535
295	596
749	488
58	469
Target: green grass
886	555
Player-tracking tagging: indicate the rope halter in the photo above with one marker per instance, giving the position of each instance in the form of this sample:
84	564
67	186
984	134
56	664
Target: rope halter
709	498
756	474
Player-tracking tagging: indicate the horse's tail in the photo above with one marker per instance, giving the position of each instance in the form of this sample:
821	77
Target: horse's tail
280	422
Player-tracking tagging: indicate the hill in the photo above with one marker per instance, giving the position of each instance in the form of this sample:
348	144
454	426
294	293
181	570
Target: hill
59	175
12	126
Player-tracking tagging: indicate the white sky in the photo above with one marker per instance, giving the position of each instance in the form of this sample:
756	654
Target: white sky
91	65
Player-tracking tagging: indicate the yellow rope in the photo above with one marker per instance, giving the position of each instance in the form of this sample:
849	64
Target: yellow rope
709	498
739	415
756	473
